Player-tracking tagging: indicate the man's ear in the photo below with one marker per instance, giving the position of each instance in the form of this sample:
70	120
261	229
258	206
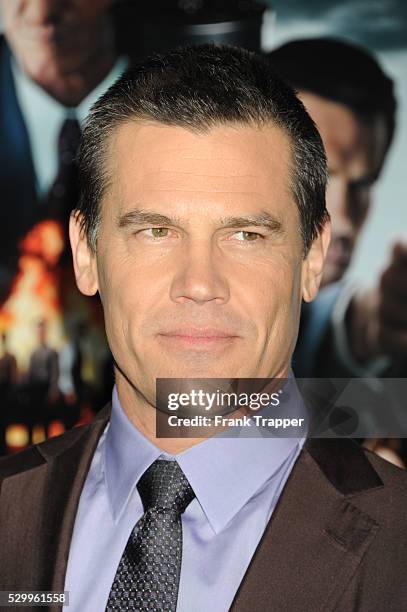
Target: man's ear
313	264
84	259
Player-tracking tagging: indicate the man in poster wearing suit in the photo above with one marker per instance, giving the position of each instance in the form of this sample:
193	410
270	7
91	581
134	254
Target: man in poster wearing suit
53	58
56	59
202	224
348	330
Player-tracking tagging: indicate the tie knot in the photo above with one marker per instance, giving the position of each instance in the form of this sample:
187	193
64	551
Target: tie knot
69	139
164	485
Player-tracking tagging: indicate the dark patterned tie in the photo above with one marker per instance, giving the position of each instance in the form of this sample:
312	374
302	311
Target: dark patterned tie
147	578
63	195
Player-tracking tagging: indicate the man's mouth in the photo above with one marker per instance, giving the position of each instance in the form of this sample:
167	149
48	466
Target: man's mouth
198	337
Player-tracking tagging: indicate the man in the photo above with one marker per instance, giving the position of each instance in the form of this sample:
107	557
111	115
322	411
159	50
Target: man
56	58
202	224
347	332
42	378
53	56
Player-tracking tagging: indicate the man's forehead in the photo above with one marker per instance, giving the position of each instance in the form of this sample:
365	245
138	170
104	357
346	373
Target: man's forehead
235	154
227	176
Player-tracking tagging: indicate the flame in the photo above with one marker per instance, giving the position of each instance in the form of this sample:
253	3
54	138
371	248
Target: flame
45	240
34	295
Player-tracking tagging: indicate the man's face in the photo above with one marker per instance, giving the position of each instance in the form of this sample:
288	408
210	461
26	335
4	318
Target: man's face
51	38
199	259
355	153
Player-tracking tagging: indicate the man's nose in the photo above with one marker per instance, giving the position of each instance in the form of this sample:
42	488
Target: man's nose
199	276
338	202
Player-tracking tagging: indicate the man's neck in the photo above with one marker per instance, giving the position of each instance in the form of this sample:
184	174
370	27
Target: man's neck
143	415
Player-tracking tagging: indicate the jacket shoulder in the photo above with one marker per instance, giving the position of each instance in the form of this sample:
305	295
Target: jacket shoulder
20	462
37	454
34	456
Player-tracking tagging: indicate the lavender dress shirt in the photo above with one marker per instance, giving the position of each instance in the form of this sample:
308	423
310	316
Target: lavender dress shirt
237	482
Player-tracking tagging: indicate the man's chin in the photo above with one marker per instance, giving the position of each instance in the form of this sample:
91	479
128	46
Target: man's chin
202	366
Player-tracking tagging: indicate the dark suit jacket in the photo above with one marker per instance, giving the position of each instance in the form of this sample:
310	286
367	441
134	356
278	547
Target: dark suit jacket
19	208
336	541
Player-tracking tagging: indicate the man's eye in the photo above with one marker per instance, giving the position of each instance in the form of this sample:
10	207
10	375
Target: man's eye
157	232
248	236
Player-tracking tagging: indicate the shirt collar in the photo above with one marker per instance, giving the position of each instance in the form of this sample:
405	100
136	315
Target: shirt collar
44	116
224	472
127	455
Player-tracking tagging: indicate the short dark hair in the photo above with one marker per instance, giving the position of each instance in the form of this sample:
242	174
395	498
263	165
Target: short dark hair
199	88
339	71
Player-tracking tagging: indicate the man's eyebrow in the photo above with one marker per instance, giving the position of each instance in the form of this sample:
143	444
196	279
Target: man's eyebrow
143	217
264	219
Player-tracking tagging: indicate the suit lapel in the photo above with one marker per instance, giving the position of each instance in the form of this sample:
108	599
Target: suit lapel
39	506
316	537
